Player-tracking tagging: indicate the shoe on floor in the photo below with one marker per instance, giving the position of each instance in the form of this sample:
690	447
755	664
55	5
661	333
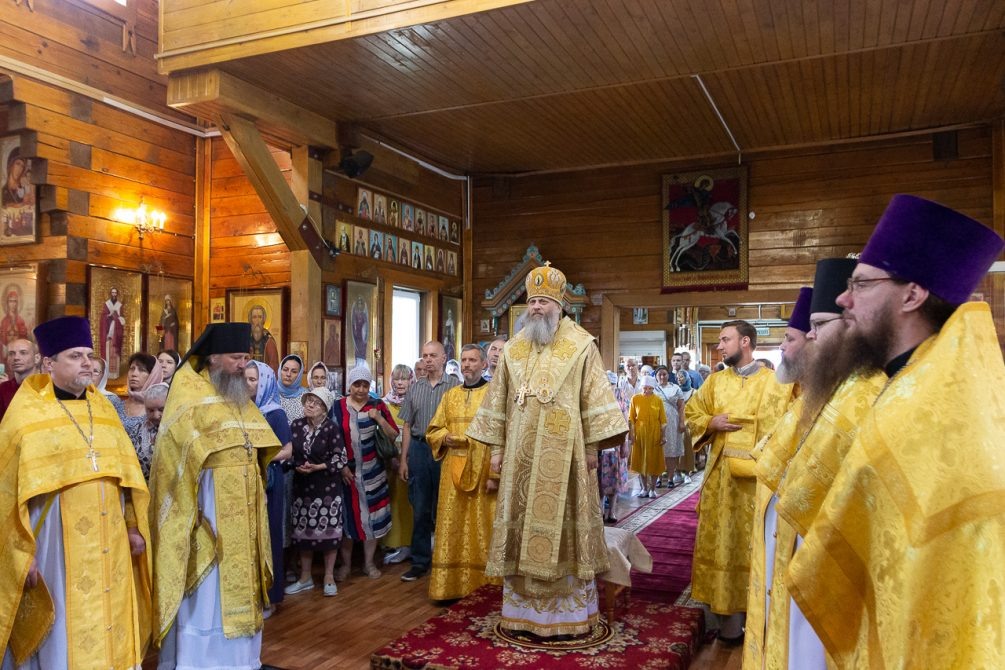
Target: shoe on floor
399	555
372	572
413	574
331	590
342	573
268	611
299	587
644	494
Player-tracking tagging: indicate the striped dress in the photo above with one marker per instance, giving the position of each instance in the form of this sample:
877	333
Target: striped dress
367	501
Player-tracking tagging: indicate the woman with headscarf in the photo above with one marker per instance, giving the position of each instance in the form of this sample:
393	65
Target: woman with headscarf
262	388
367	497
320	465
646	421
291	374
99	377
687	461
143	372
400	536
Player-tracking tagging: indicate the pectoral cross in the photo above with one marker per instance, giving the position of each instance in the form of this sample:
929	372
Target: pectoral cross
92	454
521	394
248	445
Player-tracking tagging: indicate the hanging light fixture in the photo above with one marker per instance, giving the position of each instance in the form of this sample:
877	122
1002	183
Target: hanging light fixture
145	220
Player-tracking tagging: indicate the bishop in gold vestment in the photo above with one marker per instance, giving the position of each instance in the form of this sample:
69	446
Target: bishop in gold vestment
465	507
753	400
71	494
212	555
548	409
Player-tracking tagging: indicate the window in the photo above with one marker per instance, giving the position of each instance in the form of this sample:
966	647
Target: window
406	326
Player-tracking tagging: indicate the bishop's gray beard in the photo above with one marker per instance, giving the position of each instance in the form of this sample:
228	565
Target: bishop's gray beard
231	386
540	329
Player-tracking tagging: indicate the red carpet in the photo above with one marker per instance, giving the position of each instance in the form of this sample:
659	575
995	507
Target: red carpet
670	540
645	636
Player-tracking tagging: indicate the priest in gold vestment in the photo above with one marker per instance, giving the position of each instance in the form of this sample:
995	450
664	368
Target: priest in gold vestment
902	565
735	409
467	502
74	570
548	410
795	467
212	555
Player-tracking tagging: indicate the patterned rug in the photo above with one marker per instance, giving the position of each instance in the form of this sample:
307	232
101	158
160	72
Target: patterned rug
646	635
669	537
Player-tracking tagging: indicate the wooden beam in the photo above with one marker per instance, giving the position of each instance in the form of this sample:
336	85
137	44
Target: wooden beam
217	32
212	93
251	152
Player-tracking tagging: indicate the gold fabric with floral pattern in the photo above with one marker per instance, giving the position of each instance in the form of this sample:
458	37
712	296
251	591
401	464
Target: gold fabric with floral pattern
902	566
545	410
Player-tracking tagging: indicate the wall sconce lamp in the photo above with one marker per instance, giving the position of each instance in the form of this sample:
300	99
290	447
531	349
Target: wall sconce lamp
145	220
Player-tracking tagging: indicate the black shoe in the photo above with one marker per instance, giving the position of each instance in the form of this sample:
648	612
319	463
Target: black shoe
731	641
413	574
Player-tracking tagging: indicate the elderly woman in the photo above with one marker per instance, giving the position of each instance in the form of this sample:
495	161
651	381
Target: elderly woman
400	536
368	500
646	422
673	433
143	372
99	377
318	376
169	361
262	388
144	434
319	459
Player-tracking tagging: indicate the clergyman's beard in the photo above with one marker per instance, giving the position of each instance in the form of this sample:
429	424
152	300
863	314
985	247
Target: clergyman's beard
838	357
540	328
734	360
230	385
792	368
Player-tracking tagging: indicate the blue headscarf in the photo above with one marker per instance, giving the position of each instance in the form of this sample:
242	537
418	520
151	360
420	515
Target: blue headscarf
294	390
683	380
267	398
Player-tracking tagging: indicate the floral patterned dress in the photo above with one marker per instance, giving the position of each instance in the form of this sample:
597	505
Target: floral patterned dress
316	514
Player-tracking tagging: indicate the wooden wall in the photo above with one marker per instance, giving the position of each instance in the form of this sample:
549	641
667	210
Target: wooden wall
603	227
246	250
97	157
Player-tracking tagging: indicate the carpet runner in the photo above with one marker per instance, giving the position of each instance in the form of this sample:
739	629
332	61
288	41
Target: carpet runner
667	529
646	635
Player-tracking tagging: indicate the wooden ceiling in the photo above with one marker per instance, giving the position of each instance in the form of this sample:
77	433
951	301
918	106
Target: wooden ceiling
560	84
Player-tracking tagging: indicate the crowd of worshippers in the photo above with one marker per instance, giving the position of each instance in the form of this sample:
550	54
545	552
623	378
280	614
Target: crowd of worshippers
834	494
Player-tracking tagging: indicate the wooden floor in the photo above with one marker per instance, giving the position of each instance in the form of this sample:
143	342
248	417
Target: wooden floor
311	632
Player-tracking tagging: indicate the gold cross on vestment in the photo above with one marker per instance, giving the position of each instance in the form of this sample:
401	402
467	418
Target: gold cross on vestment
563	349
557	422
521	394
92	454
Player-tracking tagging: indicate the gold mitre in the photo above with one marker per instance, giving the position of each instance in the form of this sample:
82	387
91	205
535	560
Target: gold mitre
545	282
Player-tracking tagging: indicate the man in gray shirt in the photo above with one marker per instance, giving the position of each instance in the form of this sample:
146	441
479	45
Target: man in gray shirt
418	467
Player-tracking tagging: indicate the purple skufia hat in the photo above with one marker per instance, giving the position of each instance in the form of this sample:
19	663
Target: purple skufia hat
61	334
934	246
800	317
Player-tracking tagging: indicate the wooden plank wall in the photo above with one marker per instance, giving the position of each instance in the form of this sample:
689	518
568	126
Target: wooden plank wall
98	157
603	227
246	250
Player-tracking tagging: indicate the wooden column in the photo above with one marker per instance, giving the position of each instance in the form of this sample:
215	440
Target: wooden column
200	276
610	327
306	292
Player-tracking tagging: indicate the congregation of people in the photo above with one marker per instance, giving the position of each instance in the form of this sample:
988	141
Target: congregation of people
182	515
